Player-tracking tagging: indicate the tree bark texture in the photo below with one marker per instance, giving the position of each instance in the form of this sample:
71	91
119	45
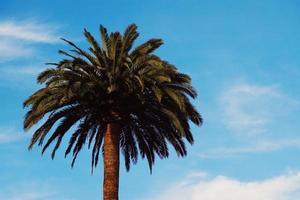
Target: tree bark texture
111	162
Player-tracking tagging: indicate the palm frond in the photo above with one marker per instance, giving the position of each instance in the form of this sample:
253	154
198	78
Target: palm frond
113	82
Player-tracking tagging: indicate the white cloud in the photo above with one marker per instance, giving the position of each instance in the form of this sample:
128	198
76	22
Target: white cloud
248	109
13	49
29	195
20	77
257	147
8	135
29	190
255	113
283	187
31	31
18	37
17	71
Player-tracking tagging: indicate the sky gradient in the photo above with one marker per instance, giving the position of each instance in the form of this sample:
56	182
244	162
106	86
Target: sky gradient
243	57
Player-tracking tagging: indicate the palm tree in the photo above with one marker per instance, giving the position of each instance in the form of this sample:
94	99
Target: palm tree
115	98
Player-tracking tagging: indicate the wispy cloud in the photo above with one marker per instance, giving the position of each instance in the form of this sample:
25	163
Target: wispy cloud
253	113
9	135
17	38
20	77
247	109
29	195
283	187
25	70
31	31
13	49
257	147
31	190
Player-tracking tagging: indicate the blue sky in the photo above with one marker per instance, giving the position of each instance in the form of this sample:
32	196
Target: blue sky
244	59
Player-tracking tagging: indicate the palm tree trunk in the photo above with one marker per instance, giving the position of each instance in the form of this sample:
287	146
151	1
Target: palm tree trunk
111	162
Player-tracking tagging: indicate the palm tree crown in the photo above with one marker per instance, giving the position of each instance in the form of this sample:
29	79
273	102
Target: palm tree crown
144	94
